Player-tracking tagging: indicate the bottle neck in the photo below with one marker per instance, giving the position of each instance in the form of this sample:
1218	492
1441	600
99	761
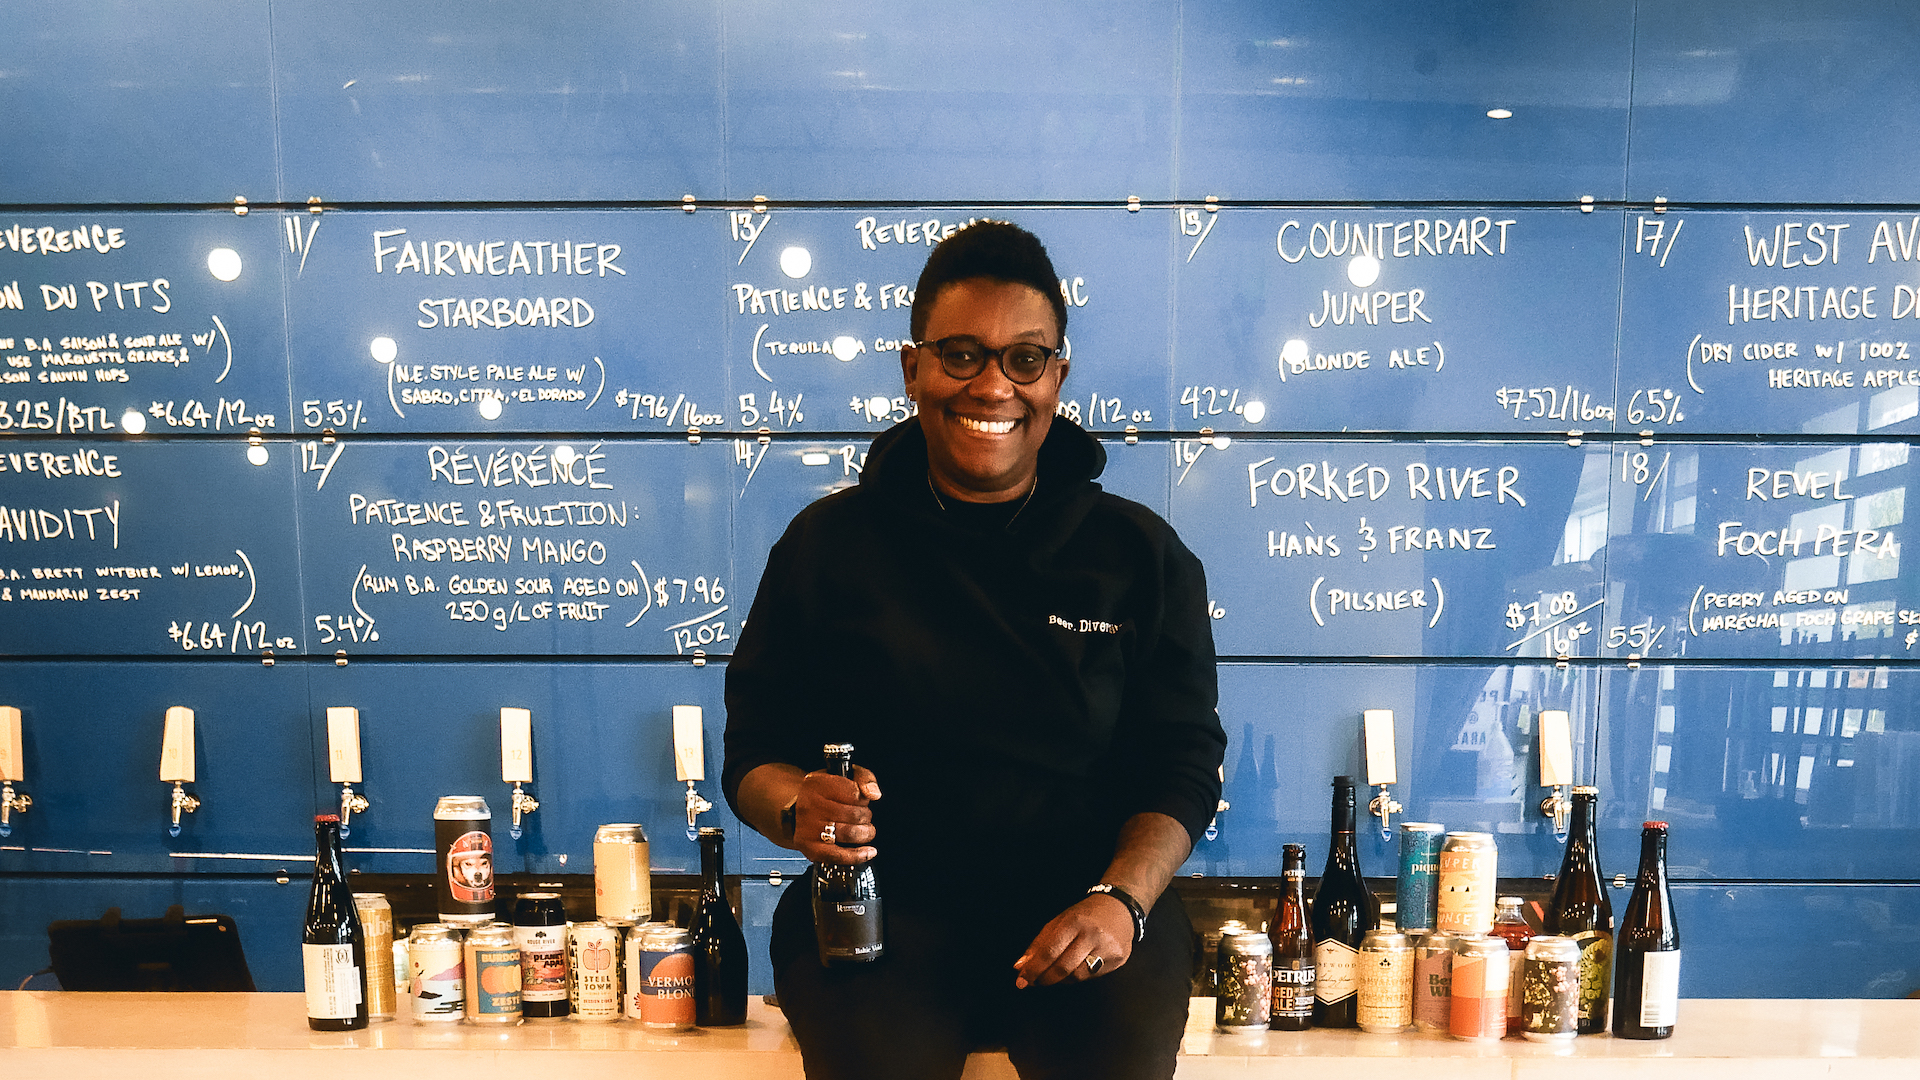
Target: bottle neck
1342	853
713	863
1582	829
326	847
1653	856
839	764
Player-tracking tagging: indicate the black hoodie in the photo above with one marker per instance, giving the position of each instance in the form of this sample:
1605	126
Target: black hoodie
1018	692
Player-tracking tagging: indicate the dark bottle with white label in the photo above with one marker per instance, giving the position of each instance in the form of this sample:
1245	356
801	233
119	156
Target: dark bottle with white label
846	899
719	948
1646	977
333	949
1581	910
1293	968
1344	909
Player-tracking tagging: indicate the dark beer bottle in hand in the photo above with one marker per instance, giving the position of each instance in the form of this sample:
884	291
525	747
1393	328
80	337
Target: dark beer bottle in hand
719	949
1293	969
1646	985
1344	909
846	899
333	949
1581	910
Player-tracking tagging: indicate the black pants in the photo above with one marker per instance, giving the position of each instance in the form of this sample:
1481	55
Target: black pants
945	988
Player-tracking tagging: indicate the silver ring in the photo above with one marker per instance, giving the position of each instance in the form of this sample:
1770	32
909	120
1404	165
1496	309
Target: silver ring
826	834
1093	965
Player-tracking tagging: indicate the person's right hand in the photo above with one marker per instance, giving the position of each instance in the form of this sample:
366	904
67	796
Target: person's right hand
837	807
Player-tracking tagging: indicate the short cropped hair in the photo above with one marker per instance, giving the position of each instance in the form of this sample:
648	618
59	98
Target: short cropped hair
998	250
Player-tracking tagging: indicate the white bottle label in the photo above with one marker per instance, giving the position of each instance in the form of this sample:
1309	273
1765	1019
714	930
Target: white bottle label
1338	971
1660	989
333	982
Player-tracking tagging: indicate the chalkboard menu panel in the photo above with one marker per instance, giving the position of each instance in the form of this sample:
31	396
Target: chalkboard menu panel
440	101
507	321
818	306
999	100
117	321
1395	549
1827	85
1793	772
602	752
1337	100
141	548
1468	320
92	763
137	103
1799	322
529	547
1465	740
1761	551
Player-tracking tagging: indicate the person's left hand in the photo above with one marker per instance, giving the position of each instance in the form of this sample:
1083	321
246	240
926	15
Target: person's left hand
1098	928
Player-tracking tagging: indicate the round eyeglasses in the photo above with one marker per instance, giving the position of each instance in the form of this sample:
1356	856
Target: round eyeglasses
964	358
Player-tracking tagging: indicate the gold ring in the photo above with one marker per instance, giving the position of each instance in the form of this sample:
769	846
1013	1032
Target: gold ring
826	834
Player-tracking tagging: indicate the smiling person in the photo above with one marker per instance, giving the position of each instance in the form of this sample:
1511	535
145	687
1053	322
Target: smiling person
1024	666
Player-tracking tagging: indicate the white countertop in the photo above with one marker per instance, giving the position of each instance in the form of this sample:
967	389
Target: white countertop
75	1036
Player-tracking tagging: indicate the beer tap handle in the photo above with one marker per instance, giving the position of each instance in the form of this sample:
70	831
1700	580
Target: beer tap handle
177	763
1556	768
516	761
343	761
690	761
10	769
1382	770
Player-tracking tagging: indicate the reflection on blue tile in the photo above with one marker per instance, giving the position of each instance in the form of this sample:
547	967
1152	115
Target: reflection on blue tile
602	752
451	102
1820	941
133	102
1380	101
92	756
1466	754
991	101
1787	773
1775	101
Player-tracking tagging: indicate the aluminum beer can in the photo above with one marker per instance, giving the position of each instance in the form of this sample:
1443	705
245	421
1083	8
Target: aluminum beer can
1386	982
1432	976
660	976
463	846
1550	989
439	966
1477	1009
1244	1000
540	933
493	975
376	919
593	971
622	875
1417	889
1469	873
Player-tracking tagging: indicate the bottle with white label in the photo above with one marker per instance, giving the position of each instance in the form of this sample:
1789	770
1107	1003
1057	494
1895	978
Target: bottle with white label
1646	971
333	948
1344	910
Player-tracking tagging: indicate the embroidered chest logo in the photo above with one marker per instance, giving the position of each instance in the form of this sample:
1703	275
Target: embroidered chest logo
1085	626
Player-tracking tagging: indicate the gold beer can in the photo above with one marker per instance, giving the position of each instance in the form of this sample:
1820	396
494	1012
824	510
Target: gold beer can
376	919
622	875
1469	876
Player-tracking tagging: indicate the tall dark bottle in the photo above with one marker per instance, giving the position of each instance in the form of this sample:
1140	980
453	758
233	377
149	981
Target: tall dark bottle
1582	911
1646	978
1344	909
1293	966
719	949
333	948
846	899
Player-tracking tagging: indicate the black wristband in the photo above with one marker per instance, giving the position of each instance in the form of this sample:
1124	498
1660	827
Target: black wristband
1133	908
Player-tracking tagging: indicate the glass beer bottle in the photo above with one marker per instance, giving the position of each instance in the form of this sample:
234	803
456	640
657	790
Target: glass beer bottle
333	950
719	948
1293	968
1646	990
846	899
1344	909
1582	911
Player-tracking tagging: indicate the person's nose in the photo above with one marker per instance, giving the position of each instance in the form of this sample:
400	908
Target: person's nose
992	383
